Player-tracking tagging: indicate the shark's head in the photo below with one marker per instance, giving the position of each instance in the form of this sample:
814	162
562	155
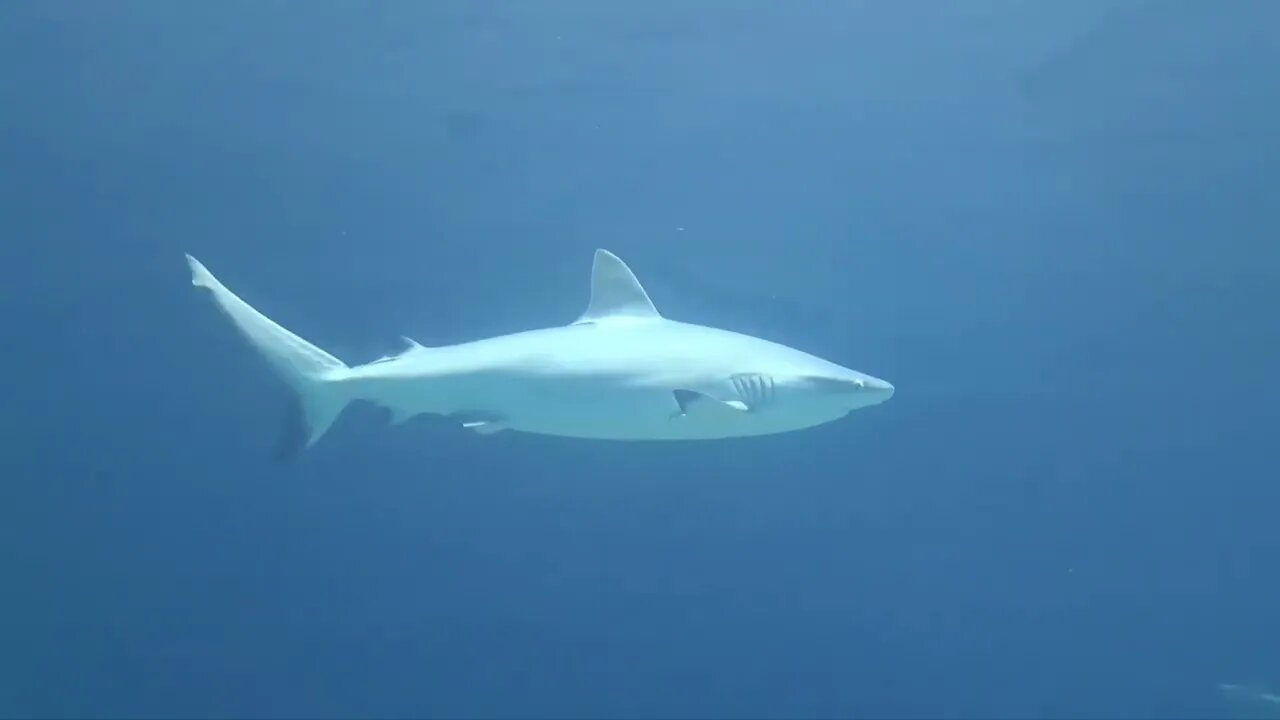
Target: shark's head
846	389
803	386
780	387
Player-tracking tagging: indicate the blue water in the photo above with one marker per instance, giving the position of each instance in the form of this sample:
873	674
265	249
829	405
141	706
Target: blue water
1052	226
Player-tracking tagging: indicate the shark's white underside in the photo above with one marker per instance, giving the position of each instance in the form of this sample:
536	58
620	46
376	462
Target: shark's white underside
621	372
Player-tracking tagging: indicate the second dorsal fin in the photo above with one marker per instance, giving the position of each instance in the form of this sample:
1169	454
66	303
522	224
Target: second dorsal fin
615	292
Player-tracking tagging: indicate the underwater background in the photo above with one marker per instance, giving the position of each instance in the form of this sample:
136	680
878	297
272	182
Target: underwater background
1055	227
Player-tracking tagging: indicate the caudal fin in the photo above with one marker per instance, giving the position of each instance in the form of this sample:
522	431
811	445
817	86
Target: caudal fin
315	375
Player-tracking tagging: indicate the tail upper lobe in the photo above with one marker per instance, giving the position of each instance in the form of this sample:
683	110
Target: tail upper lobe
315	375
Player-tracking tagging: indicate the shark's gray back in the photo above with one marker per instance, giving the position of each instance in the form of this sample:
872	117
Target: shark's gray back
638	348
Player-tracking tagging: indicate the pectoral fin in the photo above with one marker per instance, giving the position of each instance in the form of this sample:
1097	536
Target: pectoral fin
484	428
485	423
687	399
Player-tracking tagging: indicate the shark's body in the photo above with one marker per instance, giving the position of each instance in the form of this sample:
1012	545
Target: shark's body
620	372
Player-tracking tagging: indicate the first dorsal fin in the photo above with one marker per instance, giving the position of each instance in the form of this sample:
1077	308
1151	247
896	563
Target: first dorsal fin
615	292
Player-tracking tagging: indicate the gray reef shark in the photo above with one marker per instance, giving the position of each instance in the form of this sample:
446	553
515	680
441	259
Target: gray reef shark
621	371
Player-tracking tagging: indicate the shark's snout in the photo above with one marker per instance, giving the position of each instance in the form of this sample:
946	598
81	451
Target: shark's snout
882	389
872	391
856	389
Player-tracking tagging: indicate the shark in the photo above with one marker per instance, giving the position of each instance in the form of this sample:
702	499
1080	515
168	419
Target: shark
620	371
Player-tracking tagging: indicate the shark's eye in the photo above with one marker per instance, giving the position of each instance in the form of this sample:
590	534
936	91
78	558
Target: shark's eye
859	384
